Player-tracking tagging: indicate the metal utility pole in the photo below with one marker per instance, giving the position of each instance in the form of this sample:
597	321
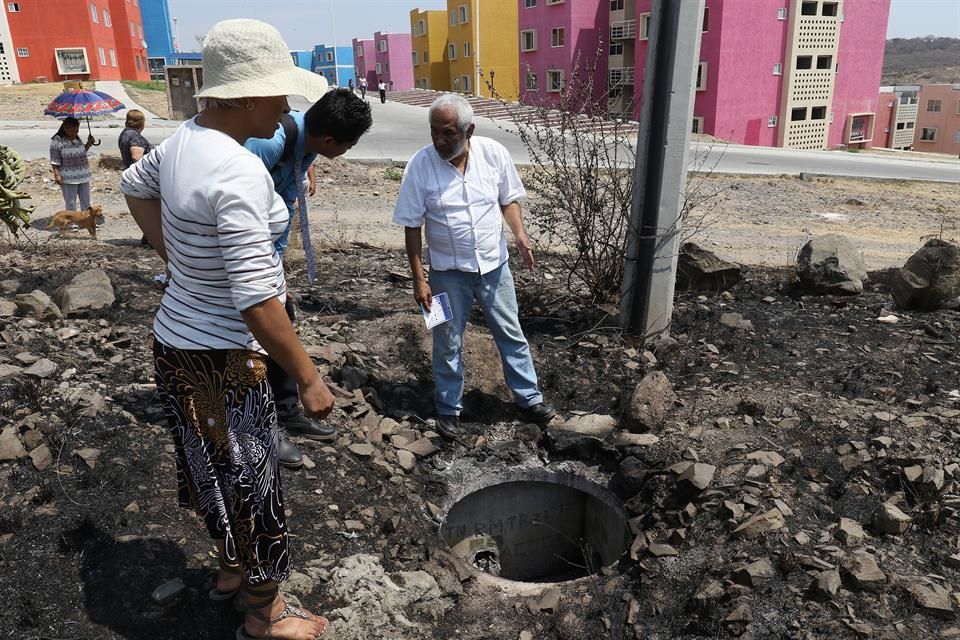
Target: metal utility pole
660	175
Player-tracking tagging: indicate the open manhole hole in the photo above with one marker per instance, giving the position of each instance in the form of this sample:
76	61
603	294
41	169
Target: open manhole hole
538	527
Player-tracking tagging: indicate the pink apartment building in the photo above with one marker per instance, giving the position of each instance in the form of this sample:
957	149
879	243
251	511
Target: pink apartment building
557	38
790	73
394	64
365	62
938	120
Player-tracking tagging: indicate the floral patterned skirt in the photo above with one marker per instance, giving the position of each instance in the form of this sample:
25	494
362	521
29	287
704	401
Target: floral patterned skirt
222	415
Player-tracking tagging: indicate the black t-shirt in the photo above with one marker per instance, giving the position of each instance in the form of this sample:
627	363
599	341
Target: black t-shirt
131	138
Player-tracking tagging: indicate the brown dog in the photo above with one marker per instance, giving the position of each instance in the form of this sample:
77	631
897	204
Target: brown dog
87	219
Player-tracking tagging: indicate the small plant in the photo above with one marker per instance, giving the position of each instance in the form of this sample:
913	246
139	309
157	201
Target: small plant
12	171
393	173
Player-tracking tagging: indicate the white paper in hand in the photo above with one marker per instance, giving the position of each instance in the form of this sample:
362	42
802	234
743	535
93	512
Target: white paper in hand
439	312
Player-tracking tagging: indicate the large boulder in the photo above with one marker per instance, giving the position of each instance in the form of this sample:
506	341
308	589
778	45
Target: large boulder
37	304
831	264
930	279
88	291
649	404
702	270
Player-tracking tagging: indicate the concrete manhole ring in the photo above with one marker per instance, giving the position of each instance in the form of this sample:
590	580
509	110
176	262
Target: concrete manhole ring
524	530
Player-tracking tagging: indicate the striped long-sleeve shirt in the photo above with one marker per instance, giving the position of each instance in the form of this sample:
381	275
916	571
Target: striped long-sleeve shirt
220	219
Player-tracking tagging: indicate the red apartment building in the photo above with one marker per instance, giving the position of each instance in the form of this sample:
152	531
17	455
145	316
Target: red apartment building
79	40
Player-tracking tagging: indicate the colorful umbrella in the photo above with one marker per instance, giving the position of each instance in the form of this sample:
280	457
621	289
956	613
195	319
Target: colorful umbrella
81	102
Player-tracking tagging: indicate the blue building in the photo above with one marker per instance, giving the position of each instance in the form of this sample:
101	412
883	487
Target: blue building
303	59
335	64
158	32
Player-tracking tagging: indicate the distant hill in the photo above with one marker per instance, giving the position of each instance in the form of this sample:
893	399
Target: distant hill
927	60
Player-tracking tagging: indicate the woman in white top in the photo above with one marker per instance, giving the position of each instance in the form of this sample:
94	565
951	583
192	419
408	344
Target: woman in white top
209	208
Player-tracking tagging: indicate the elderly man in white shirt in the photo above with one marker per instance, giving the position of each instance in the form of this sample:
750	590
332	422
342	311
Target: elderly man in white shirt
461	189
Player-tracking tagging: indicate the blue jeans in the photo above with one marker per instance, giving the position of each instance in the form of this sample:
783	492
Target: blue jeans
70	193
498	299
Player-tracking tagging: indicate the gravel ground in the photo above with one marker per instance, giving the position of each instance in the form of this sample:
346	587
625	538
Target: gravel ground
153	101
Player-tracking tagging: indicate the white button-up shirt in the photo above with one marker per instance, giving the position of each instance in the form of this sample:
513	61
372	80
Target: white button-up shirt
460	212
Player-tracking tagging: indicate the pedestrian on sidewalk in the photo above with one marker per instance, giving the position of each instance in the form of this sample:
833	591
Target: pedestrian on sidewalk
350	84
329	128
382	87
208	207
363	87
70	165
460	190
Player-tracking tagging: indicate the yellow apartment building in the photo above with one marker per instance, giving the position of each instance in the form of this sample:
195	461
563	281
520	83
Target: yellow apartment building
482	38
429	42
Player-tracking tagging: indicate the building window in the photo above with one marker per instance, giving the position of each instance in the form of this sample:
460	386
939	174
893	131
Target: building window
697	125
529	4
113	58
555	81
415	63
804	62
782	13
956	137
329	56
466	49
422	27
137	60
102	56
616	5
360	51
778	69
465	84
818	113
901	126
829	9
909	98
70	61
554	1
808	8
463	14
456	85
798	113
928	134
824	62
531	82
106	18
910	125
379	68
934	106
426	57
958	106
702	77
140	30
453	21
616	48
772	121
23	52
133	29
557	37
382	45
644	26
706	19
13	7
452	51
528	40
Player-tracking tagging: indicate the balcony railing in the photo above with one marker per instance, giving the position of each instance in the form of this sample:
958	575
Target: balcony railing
621	75
625	30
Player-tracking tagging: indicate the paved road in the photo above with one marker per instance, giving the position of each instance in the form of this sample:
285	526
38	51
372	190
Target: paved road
399	130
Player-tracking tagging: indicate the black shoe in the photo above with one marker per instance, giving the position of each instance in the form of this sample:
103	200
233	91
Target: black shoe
449	426
288	454
303	427
541	413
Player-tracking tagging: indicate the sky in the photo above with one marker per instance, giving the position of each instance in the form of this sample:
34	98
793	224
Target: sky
305	23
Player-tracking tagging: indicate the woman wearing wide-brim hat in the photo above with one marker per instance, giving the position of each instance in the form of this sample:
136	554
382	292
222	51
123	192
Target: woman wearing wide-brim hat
208	206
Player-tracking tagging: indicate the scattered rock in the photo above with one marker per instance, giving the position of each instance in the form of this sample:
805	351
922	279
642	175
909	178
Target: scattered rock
888	519
649	403
754	573
825	586
933	599
696	478
861	572
661	550
598	426
549	601
736	321
766	458
41	457
930	278
88	291
637	440
831	264
168	591
772	520
37	304
406	459
702	270
10	446
353	377
422	447
42	368
849	532
7	308
363	449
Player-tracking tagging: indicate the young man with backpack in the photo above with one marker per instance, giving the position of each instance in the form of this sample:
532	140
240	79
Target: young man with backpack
329	129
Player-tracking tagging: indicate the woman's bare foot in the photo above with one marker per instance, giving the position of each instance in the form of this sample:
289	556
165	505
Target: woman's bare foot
294	623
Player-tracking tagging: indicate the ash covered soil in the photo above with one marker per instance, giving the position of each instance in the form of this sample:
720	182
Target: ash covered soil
755	505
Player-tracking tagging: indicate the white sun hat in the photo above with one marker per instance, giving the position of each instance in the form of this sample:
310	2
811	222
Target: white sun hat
245	58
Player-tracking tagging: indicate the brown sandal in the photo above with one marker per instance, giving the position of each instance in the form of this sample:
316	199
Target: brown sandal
259	599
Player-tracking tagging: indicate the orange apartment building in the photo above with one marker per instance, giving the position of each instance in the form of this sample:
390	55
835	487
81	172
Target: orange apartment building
81	40
919	118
